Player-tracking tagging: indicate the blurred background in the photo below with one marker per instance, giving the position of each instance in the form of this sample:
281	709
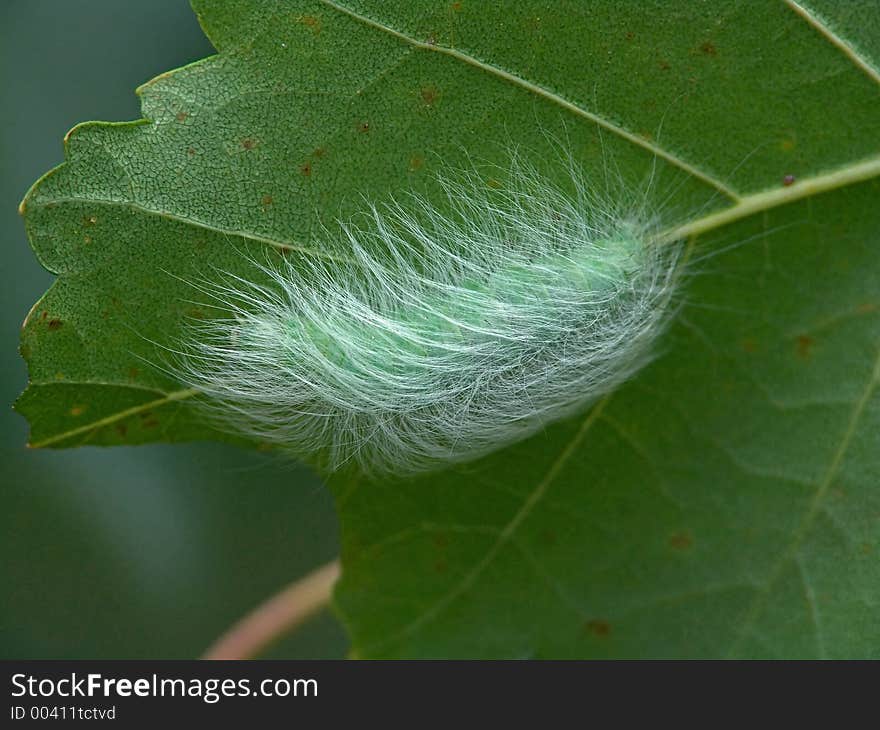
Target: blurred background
150	551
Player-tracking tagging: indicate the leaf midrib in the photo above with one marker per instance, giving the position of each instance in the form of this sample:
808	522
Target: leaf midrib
747	206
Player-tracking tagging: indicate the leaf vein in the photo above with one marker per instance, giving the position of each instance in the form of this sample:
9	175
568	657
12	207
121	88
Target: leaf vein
790	553
539	90
862	63
506	534
140	208
175	395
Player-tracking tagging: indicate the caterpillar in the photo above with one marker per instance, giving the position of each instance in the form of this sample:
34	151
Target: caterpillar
444	331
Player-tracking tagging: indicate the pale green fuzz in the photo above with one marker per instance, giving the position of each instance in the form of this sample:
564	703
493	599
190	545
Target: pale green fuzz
445	333
446	320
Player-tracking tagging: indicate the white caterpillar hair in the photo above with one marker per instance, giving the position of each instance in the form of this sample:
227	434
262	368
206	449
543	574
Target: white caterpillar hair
446	331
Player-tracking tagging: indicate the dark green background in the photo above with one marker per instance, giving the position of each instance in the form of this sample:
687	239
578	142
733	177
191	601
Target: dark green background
124	552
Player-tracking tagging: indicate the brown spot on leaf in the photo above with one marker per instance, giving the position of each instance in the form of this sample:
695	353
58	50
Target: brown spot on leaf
804	346
707	48
182	116
749	345
630	36
306	169
440	540
319	152
77	411
493	183
87	240
151	423
310	21
121	429
266	201
681	540
248	143
664	65
867	308
363	127
190	151
430	94
90	220
548	537
133	373
416	162
456	6
788	180
55	324
598	627
431	40
441	566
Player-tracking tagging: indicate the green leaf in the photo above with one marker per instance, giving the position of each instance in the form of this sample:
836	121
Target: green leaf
723	503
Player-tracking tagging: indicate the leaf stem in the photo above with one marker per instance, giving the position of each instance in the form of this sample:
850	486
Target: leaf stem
283	612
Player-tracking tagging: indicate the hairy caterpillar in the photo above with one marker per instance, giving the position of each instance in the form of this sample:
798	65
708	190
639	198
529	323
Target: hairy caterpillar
444	333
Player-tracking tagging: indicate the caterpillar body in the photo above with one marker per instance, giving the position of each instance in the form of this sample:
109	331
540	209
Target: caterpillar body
441	333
